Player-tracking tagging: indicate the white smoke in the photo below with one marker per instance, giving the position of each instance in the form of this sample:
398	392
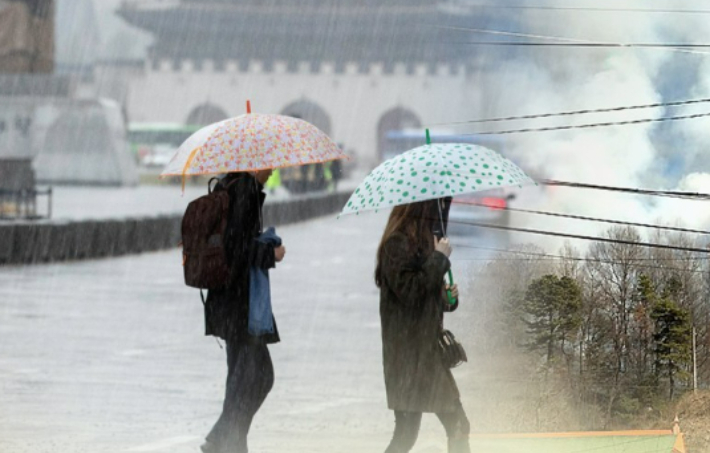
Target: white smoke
540	80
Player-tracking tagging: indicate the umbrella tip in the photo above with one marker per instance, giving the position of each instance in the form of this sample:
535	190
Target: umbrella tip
248	106
428	138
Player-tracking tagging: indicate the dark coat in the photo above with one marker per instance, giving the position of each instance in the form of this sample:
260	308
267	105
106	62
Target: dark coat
227	309
412	305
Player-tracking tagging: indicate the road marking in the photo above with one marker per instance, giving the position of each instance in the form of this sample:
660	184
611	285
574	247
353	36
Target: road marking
163	444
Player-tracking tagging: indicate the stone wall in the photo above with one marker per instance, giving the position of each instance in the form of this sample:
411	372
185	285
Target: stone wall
43	242
354	98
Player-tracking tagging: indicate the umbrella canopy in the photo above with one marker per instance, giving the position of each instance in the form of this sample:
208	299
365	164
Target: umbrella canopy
434	171
251	142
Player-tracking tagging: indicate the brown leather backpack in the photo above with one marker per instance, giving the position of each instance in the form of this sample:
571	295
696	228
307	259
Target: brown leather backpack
203	227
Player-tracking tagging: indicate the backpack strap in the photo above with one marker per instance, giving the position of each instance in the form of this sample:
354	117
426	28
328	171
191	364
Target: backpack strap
211	189
202	296
209	184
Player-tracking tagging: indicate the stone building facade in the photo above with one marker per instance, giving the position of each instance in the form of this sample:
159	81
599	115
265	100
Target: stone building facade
354	68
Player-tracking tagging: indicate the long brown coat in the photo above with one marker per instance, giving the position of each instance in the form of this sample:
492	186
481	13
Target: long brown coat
412	305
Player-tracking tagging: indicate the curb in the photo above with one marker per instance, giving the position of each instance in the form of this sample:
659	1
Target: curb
45	242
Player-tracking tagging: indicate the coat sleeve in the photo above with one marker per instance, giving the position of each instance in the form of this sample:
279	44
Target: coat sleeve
412	283
261	255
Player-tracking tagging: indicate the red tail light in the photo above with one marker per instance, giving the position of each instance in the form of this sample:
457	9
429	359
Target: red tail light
494	203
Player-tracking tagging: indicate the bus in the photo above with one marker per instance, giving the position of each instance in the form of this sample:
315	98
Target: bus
154	144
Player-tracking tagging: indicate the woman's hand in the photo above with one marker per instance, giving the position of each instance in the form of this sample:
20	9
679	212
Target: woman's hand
454	290
279	253
443	246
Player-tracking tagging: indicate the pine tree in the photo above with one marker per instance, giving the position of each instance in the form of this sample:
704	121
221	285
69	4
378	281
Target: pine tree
672	338
552	310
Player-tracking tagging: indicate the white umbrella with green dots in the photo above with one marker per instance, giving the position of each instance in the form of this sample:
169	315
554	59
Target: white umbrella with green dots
434	170
431	171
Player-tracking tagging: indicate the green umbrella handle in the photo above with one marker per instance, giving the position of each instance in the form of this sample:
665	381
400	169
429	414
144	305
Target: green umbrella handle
452	300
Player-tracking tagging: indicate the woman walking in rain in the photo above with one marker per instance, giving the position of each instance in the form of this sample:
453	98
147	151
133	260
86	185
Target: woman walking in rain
250	373
411	265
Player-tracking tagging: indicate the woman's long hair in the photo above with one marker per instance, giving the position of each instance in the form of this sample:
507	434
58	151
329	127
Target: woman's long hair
415	221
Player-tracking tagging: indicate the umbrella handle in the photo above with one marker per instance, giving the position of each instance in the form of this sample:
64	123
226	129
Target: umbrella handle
452	300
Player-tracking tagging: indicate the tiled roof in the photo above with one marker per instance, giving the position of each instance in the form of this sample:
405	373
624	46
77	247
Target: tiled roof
354	30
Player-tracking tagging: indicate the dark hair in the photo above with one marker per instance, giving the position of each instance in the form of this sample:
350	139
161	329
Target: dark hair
414	220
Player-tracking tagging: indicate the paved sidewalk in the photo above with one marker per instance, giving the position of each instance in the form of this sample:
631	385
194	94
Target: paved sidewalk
109	356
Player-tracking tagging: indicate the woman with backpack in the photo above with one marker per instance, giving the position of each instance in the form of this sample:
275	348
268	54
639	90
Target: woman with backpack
411	265
250	373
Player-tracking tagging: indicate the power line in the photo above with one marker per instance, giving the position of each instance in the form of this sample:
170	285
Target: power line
494	249
582	237
581	112
594	125
552	38
661	193
593	9
593	219
583	44
552	257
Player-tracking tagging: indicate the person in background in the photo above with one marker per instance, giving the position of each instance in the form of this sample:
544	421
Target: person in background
336	170
274	182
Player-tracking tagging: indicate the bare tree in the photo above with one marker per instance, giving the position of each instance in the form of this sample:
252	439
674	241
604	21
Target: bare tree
613	270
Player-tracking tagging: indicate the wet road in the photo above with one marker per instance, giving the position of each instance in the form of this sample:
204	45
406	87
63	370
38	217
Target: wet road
109	356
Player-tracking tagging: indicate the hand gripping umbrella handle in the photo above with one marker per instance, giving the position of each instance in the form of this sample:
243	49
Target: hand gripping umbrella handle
452	300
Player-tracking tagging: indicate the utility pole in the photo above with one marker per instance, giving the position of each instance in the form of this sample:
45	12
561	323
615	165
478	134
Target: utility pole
695	367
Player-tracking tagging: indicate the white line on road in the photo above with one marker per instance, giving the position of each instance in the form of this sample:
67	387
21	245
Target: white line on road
163	444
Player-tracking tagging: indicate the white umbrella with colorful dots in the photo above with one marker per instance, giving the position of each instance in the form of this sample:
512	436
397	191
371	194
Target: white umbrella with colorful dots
434	171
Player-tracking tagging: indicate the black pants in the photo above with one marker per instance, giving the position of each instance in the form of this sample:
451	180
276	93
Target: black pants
407	425
250	377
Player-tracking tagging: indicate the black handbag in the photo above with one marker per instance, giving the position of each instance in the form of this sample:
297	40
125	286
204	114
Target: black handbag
453	353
